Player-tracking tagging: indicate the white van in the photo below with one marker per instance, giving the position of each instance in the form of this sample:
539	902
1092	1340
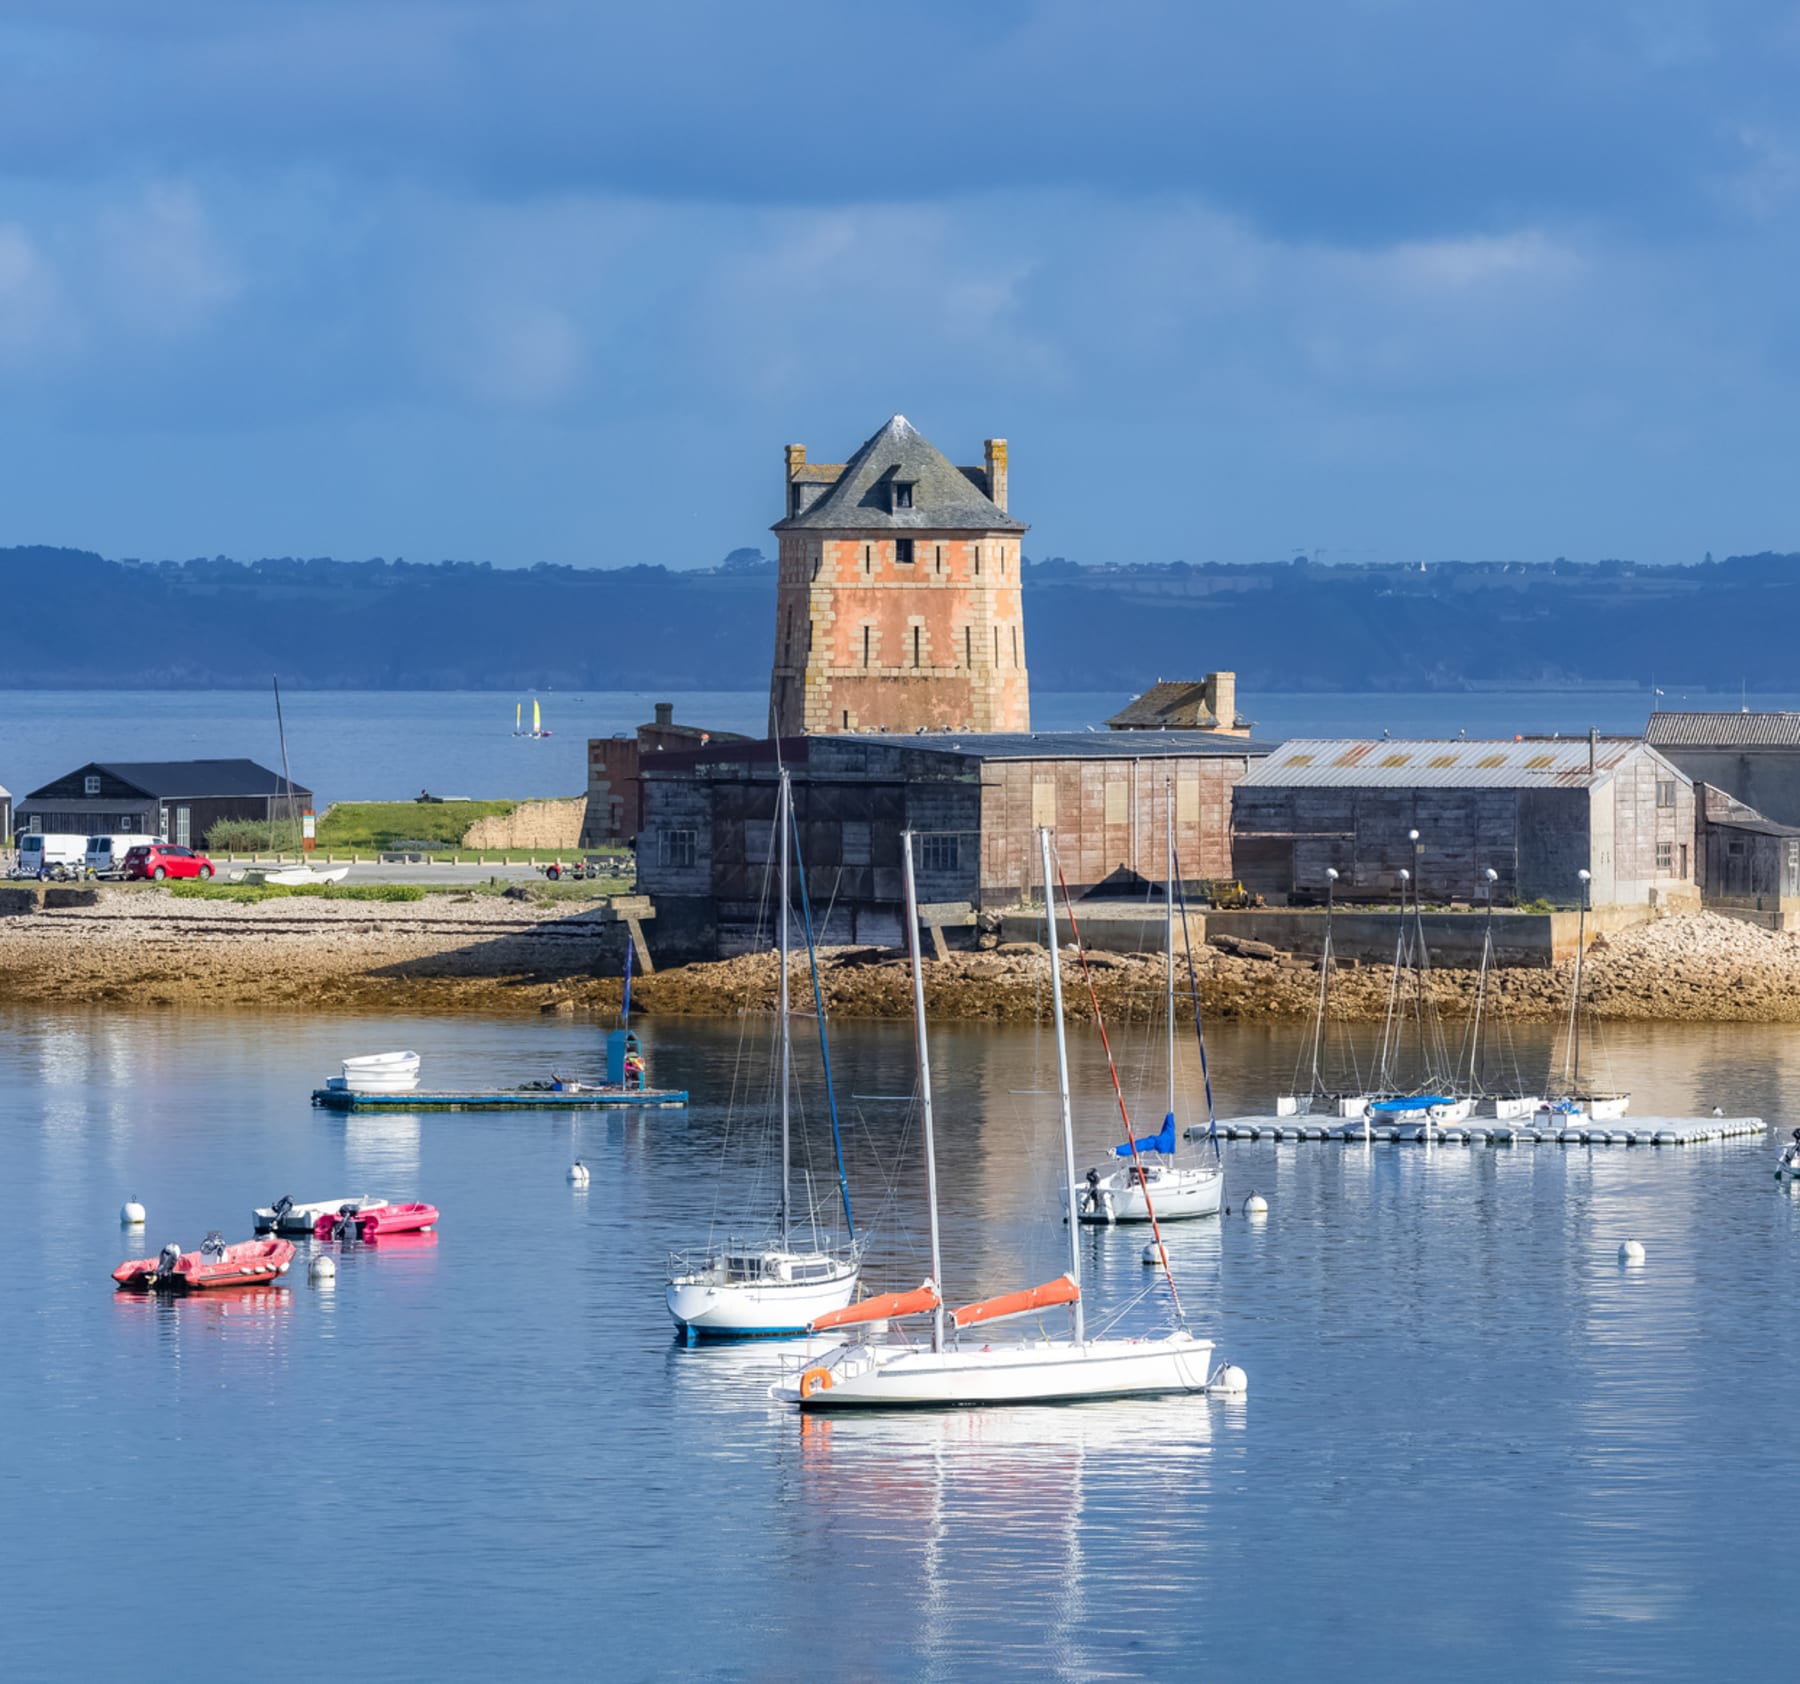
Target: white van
106	854
41	852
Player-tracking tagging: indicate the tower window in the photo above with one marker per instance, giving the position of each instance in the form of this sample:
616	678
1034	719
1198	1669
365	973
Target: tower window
977	561
1015	646
940	558
996	646
903	490
868	557
968	646
903	551
865	646
915	646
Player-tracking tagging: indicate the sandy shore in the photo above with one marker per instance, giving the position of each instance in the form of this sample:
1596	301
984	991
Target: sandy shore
500	954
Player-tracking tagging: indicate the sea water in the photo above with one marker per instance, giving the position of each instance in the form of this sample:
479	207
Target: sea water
1473	1445
390	745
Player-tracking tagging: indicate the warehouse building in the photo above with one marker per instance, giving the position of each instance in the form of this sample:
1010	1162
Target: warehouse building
1535	811
615	804
974	800
1748	863
1753	757
178	800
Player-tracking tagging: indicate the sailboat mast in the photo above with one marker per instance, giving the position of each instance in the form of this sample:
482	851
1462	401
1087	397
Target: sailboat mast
281	732
1062	1080
924	1052
1318	1080
1575	998
781	831
1169	957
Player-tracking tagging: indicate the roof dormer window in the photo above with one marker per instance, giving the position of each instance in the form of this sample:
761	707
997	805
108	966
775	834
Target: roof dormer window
903	493
90	785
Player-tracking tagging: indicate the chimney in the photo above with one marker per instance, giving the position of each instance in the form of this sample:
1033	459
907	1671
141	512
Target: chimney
1593	748
995	450
1221	697
665	713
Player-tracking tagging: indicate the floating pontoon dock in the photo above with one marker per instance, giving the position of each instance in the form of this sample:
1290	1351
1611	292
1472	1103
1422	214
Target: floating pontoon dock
505	1099
1478	1131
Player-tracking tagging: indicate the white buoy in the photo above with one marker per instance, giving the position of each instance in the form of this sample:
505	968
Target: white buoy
578	1174
131	1214
1631	1252
1230	1381
322	1268
1256	1205
1156	1256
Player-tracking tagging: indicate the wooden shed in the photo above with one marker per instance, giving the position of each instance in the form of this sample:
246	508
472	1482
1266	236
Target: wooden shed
1535	811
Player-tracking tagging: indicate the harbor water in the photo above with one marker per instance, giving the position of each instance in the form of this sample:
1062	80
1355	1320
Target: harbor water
1474	1444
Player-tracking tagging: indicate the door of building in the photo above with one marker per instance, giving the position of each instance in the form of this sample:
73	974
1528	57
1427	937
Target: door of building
181	828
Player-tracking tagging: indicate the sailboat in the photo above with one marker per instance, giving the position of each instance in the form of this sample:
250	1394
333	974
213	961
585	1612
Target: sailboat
1180	1190
1320	1097
1569	1098
889	1374
783	1285
1508	1107
537	720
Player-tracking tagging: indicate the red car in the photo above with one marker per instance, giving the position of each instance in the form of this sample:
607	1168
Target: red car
161	859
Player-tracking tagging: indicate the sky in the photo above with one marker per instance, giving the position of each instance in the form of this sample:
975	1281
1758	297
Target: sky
555	280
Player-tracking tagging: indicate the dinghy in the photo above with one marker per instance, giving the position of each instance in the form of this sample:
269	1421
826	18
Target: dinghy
394	1072
215	1265
352	1223
286	1217
1787	1167
301	876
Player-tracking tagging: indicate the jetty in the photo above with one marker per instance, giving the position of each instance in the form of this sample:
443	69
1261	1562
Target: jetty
501	1099
1478	1131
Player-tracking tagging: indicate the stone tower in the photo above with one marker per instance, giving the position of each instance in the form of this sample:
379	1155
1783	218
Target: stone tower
899	603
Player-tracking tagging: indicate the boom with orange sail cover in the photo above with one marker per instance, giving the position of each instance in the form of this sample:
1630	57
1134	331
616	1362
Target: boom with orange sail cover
1062	1290
884	1306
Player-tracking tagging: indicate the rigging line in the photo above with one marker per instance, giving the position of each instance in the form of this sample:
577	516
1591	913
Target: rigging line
812	955
1112	1070
1187	941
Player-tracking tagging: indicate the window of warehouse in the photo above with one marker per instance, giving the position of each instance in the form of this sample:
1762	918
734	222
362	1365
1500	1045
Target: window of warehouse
675	849
939	853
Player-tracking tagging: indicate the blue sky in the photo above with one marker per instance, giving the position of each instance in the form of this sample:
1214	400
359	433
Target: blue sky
556	280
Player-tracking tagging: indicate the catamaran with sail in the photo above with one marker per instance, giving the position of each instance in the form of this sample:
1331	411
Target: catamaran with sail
1179	1189
890	1373
783	1284
537	720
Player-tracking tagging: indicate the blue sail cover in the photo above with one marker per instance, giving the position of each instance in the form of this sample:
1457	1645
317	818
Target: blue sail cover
1400	1107
1163	1142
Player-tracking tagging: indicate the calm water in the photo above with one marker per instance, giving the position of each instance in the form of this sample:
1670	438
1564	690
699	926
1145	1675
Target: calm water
1473	1444
388	745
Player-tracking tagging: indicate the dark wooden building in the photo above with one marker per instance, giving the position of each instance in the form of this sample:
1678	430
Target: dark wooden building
1747	862
178	800
974	801
1536	811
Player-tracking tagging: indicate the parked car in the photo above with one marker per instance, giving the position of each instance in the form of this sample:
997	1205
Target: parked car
51	854
162	859
106	854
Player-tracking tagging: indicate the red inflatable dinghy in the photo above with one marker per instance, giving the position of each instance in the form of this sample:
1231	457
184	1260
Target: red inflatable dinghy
214	1265
368	1224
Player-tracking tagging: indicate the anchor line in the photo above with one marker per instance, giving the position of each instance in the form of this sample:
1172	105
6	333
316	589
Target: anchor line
1112	1070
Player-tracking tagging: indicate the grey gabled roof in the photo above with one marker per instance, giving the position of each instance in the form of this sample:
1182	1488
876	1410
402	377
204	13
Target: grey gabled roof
1075	745
944	498
1724	730
197	778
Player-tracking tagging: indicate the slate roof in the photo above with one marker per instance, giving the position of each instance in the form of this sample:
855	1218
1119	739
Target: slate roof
1724	730
944	497
1455	763
1170	702
199	779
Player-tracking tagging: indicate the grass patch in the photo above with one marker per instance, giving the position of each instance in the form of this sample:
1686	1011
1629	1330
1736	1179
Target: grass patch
538	890
248	894
370	826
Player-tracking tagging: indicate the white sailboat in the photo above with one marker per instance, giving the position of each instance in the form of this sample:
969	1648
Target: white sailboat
780	1286
883	1374
1151	1171
1569	1098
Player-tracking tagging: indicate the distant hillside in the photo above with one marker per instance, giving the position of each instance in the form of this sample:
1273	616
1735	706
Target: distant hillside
76	621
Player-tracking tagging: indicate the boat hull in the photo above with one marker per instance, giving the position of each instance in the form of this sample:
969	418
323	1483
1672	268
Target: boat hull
252	1263
703	1309
1174	1194
299	1219
1046	1371
383	1219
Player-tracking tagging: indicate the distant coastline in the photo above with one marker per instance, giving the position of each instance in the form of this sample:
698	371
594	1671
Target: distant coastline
83	622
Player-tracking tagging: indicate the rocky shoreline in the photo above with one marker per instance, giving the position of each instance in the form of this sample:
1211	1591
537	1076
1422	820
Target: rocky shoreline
501	954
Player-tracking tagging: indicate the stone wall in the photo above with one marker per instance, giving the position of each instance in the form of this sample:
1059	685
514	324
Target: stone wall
532	824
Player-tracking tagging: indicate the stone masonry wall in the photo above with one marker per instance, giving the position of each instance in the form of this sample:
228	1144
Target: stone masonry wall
532	824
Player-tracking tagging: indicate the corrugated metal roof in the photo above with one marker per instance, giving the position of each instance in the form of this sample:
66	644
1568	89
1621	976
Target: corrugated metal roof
1724	730
1534	762
1079	745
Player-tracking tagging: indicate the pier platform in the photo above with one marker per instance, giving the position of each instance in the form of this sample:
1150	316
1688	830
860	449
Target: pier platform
502	1099
1485	1131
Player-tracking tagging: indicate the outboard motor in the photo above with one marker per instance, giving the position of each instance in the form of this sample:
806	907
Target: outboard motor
212	1248
169	1257
282	1206
345	1226
1091	1198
